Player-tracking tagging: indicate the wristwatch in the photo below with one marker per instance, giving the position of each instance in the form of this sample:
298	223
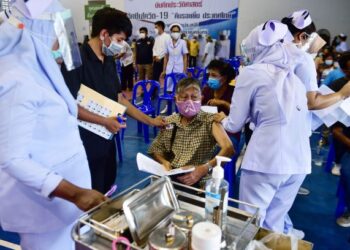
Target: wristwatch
210	167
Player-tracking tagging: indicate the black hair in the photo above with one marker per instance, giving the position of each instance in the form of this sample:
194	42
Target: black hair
311	28
143	29
342	38
344	59
177	27
160	24
113	20
225	69
187	82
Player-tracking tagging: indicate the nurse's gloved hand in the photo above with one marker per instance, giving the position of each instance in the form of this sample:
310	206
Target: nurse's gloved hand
113	125
345	90
219	117
194	176
87	199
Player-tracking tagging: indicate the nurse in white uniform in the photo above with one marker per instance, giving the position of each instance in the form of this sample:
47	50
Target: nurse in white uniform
269	93
303	30
175	60
305	38
44	172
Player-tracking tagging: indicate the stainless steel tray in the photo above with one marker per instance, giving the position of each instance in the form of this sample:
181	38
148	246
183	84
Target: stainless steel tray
241	226
149	208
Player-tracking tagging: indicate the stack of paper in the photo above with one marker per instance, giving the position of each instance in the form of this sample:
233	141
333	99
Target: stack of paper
210	109
339	111
149	165
100	105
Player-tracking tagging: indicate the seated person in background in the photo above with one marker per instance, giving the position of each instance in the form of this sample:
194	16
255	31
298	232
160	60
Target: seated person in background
340	132
219	90
326	67
191	136
342	135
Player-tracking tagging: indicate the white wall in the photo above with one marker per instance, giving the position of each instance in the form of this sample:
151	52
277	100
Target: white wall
330	14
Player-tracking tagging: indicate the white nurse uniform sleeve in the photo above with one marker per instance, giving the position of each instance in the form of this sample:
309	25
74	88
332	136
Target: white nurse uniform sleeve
19	103
241	101
306	71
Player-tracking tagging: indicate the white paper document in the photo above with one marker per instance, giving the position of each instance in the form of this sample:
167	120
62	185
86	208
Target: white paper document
149	165
100	105
210	109
337	112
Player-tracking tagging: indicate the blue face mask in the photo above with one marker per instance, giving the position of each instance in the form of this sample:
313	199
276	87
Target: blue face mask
57	54
214	83
113	49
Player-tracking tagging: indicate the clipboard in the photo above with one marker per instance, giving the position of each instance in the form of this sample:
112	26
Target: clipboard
100	105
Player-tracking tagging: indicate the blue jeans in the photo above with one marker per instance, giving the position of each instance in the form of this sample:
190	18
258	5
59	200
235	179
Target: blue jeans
345	177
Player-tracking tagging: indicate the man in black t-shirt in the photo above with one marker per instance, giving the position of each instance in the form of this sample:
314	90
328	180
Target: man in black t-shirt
341	135
144	54
110	27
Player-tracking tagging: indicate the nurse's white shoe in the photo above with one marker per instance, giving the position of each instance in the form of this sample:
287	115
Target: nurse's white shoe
303	191
336	170
297	233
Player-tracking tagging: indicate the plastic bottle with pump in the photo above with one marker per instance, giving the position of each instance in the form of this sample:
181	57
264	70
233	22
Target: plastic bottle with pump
216	192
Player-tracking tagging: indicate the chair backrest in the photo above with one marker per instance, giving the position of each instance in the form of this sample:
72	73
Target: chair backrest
175	77
118	68
235	62
195	72
148	87
204	77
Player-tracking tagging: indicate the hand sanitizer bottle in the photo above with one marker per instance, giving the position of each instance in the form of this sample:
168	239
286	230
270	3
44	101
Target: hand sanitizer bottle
216	192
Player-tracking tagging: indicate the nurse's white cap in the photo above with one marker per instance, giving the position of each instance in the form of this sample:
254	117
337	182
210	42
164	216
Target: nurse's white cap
32	9
301	19
176	24
271	32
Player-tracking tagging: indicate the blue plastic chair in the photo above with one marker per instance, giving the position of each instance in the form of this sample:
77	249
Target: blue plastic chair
230	169
119	145
235	62
119	68
195	72
341	206
200	74
169	97
146	107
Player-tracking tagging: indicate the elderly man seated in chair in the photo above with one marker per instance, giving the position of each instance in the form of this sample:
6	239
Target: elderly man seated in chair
191	137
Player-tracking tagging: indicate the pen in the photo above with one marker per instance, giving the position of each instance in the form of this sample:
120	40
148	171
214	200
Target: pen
111	191
120	119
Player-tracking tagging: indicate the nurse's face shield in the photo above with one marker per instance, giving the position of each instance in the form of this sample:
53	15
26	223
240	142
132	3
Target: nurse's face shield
67	39
245	60
313	43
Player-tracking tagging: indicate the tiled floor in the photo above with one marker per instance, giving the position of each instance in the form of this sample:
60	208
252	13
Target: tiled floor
314	214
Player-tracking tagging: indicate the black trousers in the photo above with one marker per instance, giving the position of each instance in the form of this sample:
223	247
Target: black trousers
101	155
193	61
157	69
127	77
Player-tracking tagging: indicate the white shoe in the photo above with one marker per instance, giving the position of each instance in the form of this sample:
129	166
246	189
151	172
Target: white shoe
303	191
344	220
297	233
336	170
164	110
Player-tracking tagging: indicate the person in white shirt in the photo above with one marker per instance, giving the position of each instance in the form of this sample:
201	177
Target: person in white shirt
208	52
202	39
342	47
126	59
159	49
